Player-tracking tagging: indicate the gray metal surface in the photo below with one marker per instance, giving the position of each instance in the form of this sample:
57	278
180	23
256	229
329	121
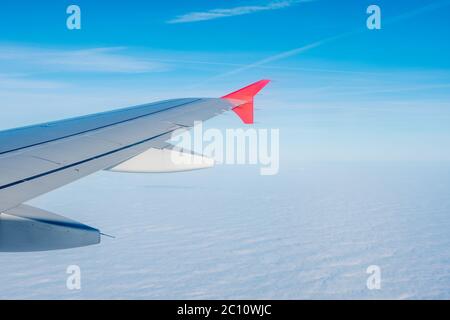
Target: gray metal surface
37	159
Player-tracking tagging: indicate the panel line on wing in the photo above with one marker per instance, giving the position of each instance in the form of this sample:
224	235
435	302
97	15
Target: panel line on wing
98	128
82	161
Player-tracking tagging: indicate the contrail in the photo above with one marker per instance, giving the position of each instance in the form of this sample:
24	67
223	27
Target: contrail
284	55
319	43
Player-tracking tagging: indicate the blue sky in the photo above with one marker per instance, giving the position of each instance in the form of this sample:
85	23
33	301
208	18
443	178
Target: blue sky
339	92
145	25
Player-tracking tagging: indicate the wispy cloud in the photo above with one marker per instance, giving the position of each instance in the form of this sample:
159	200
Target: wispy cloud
231	12
22	81
106	60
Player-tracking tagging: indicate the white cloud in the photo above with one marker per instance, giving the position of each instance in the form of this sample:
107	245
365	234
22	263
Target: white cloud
106	60
230	12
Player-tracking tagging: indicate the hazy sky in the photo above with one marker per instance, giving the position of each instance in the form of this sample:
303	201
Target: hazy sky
339	91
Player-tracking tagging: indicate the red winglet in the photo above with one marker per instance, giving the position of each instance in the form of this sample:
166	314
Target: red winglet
243	99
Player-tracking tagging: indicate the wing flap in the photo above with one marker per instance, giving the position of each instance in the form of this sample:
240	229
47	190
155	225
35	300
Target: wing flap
164	161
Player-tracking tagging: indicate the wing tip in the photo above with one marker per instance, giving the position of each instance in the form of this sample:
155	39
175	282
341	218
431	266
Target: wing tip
243	100
247	93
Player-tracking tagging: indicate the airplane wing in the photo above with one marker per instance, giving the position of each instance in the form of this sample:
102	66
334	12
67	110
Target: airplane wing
37	159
